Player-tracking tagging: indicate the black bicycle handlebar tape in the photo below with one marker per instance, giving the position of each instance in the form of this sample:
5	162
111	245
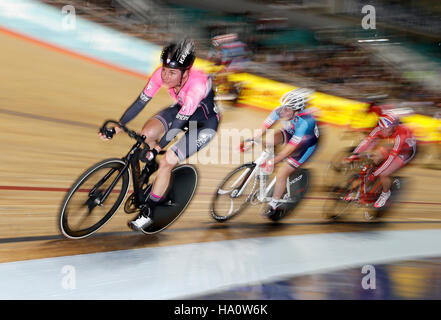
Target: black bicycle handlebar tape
132	134
108	132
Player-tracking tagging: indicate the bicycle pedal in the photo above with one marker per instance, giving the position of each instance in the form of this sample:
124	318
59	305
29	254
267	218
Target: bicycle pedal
169	203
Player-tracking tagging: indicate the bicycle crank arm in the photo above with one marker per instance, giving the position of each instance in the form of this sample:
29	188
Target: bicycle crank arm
268	199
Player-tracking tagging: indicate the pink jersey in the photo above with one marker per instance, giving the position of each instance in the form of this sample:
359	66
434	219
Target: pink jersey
191	94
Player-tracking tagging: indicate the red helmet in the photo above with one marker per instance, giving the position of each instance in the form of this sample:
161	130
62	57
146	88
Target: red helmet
387	120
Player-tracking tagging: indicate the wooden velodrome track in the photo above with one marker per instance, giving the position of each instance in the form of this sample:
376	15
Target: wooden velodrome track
51	106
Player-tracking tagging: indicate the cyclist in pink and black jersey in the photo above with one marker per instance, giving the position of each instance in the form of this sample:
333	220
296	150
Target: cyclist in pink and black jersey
194	107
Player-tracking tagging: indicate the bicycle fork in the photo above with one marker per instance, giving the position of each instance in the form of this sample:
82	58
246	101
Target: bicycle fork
264	156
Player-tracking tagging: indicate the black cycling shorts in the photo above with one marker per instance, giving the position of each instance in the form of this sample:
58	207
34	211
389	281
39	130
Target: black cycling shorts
199	130
303	151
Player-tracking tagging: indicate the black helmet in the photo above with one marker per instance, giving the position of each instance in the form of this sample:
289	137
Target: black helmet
179	55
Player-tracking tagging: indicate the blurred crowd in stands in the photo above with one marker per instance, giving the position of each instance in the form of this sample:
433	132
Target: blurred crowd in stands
349	71
421	15
340	68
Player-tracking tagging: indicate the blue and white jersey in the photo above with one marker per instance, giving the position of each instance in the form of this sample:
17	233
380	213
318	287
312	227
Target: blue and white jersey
302	128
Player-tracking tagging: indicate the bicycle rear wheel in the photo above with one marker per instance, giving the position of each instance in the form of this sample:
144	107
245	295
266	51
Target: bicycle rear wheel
396	189
298	184
183	183
81	214
226	203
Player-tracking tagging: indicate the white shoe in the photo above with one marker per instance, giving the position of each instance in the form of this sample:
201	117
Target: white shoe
369	216
270	208
140	223
274	203
381	201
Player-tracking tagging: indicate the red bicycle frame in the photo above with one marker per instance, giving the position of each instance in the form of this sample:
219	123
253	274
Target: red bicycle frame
366	196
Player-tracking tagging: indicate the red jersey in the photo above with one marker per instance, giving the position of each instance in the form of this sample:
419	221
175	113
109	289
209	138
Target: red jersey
404	145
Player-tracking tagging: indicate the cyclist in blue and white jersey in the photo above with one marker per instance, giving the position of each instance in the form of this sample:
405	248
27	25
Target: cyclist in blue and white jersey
300	136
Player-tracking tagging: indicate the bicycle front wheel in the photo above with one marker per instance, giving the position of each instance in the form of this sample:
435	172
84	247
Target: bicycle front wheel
229	199
336	169
82	212
338	202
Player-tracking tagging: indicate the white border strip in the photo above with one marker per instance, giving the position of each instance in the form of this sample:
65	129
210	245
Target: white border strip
194	269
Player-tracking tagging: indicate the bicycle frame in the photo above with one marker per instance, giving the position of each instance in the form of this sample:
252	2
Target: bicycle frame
138	177
366	197
130	160
258	172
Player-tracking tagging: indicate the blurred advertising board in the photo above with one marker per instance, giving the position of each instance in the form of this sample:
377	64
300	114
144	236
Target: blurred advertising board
265	94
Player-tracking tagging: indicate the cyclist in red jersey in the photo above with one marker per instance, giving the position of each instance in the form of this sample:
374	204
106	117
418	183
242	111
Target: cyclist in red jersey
402	152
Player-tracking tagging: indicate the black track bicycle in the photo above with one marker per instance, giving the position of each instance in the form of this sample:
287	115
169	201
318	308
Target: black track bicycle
98	193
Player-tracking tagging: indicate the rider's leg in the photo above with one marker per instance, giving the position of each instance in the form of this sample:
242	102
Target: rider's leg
162	180
160	185
194	139
294	161
280	137
153	130
157	126
385	177
386	182
279	188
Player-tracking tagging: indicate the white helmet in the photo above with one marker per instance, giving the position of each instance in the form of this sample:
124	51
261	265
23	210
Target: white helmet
296	99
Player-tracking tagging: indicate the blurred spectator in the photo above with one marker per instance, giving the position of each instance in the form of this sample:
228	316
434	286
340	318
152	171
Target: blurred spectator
227	50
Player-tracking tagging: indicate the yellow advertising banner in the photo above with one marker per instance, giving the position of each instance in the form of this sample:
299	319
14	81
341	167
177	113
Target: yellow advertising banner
425	128
264	93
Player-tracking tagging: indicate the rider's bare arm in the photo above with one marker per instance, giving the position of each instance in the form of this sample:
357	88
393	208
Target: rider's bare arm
130	113
247	143
287	150
259	134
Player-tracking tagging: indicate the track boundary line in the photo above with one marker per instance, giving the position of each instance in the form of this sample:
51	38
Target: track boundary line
370	227
50	119
51	189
